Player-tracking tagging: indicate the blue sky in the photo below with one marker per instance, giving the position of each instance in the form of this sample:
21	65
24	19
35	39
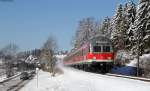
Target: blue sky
28	23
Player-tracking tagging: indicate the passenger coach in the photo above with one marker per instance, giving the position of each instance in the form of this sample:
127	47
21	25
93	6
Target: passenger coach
96	55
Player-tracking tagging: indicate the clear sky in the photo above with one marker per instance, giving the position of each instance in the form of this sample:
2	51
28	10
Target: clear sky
28	23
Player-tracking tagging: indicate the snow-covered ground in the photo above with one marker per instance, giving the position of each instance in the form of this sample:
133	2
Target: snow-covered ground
2	78
75	80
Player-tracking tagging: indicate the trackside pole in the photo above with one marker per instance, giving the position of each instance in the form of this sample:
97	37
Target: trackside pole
37	71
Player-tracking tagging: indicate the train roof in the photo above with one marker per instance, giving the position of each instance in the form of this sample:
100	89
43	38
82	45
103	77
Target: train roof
100	38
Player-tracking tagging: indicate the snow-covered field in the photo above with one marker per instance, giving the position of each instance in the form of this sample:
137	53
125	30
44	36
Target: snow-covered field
2	74
2	78
75	80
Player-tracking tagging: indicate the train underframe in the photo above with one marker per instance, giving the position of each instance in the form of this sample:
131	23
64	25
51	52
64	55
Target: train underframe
97	67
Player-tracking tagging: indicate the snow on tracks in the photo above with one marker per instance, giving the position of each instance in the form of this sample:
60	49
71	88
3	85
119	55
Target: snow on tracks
10	78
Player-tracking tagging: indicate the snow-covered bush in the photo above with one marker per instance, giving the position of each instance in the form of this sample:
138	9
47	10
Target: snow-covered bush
145	64
123	57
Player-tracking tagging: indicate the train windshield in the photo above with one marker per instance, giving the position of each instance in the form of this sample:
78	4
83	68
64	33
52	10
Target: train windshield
97	49
106	49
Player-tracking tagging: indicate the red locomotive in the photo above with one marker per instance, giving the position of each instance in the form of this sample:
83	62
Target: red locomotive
96	55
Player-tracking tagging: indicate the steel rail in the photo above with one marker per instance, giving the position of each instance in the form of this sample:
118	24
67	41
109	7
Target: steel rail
129	77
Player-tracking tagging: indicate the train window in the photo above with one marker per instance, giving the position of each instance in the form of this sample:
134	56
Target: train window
106	48
97	49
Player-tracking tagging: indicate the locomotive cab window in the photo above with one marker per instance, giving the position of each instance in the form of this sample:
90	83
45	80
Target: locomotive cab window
106	49
97	49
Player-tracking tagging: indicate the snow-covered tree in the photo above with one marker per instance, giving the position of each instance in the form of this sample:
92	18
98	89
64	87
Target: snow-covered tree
147	29
50	44
141	27
10	50
104	27
119	27
84	32
47	54
129	12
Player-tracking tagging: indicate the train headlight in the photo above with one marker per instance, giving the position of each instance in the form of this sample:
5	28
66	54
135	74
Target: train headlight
94	58
109	58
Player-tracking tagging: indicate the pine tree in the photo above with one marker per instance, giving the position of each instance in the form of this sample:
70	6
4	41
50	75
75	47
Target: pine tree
129	12
104	28
147	29
119	28
141	27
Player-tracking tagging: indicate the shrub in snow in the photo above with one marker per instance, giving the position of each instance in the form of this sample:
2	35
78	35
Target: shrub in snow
57	71
123	57
58	68
145	64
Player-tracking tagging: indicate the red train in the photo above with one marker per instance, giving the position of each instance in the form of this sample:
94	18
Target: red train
96	55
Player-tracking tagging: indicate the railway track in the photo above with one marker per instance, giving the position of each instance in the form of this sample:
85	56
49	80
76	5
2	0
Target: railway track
10	83
129	77
13	83
18	86
8	79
